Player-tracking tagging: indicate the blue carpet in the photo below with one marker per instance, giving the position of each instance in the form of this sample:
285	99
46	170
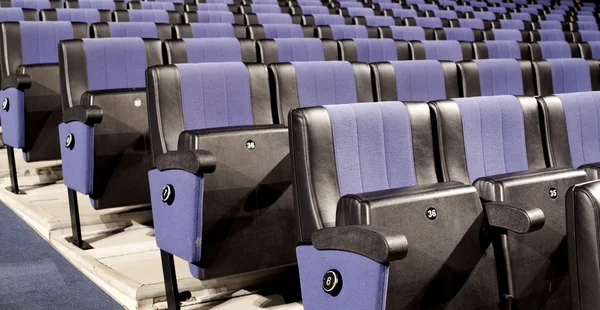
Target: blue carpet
33	275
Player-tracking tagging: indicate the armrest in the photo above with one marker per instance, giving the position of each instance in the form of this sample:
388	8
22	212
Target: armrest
197	162
18	81
517	218
88	115
192	139
592	170
378	243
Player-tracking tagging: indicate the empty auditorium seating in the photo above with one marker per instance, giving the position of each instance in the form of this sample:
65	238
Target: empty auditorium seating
323	19
293	49
17	14
94	4
199	50
407	33
547	35
493	77
554	49
103	135
441	50
209	30
339	32
557	76
506	34
501	49
155	5
273	31
373	50
146	30
156	16
458	34
89	16
32	4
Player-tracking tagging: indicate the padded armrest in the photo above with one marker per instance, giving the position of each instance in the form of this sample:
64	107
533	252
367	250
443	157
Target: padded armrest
517	218
592	170
378	243
190	139
88	115
18	81
197	162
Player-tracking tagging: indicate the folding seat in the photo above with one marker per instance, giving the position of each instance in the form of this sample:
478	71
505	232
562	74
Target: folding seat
478	4
323	19
407	33
493	77
463	9
416	80
198	50
95	4
425	7
585	18
339	32
17	14
219	7
474	23
145	30
458	34
89	16
155	5
443	14
356	12
308	10
350	4
576	26
155	16
376	21
211	207
307	84
292	49
373	50
557	17
532	11
547	35
501	49
390	6
554	49
506	35
271	18
31	109
485	15
274	31
566	75
513	24
495	143
262	8
497	9
589	36
590	50
209	30
520	16
397	230
441	50
427	22
104	87
546	24
402	13
31	4
213	17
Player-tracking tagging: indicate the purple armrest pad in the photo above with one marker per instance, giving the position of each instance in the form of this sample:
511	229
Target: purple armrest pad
364	281
13	120
178	226
78	163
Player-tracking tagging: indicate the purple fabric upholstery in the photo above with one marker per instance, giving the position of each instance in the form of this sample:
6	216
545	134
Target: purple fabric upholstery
222	7
89	16
309	2
348	4
97	4
403	13
445	14
273	31
390	6
147	5
419	80
212	30
78	163
428	22
587	25
408	33
360	12
507	35
30	4
220	1
534	11
365	281
13	120
472	23
215	17
409	2
327	82
215	95
551	35
497	9
428	7
39	40
327	19
590	35
582	116
447	3
555	49
586	18
570	75
443	50
11	14
512	24
519	16
485	15
264	2
266	8
273	18
155	16
550	24
557	17
212	50
349	32
308	10
178	227
376	21
499	77
372	146
463	8
478	4
459	34
374	50
134	30
595	49
494	135
115	63
503	49
308	49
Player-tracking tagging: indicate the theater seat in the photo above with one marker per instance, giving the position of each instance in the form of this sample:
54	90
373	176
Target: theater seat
95	4
307	84
373	50
89	16
406	33
155	16
222	7
427	22
155	5
514	24
145	30
308	10
209	30
492	77
401	13
589	36
213	17
546	24
458	34
214	145
270	18
197	50
495	143
323	19
554	49
17	14
32	4
30	86
441	50
416	80
274	31
376	21
506	35
474	23
557	76
339	32
103	137
501	49
373	214
547	35
590	50
293	49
